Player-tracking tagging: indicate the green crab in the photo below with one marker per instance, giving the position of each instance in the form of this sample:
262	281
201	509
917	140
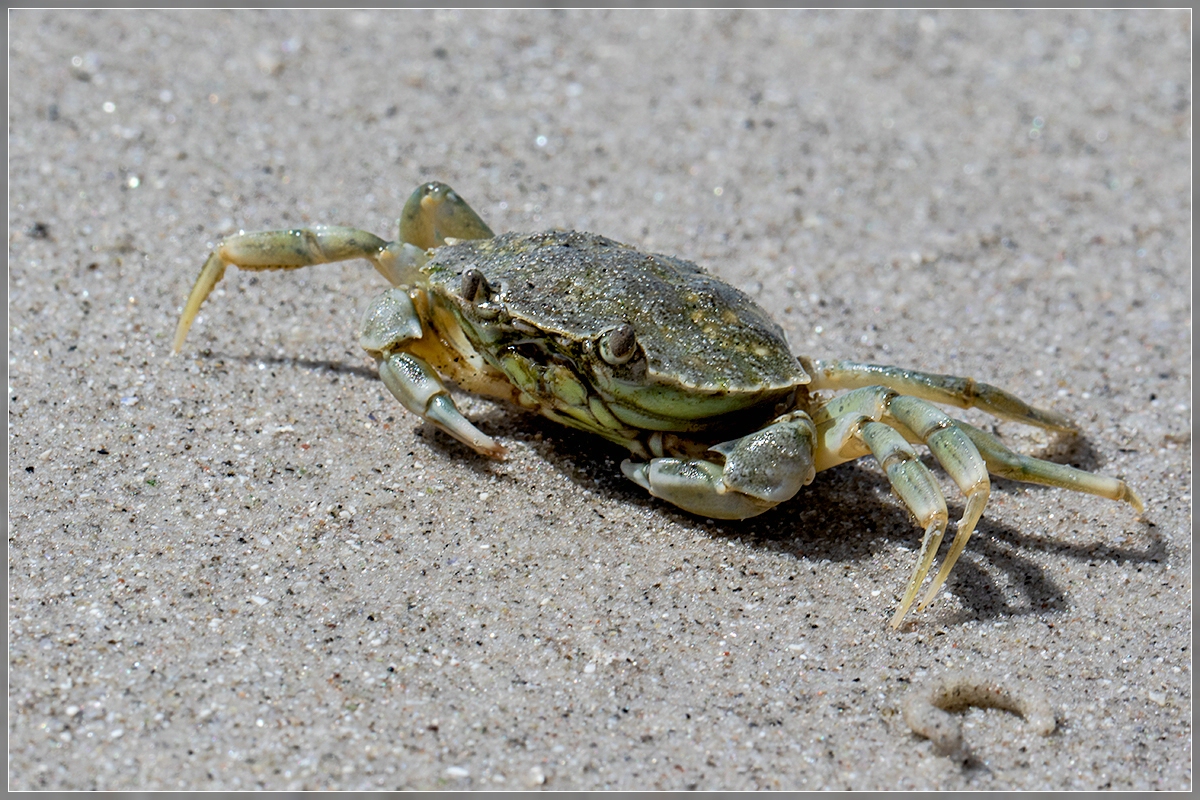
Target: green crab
686	372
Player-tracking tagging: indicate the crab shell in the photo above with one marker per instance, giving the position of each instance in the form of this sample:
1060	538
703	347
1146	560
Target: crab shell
707	357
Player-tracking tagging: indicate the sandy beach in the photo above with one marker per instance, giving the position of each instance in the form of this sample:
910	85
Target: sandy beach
247	567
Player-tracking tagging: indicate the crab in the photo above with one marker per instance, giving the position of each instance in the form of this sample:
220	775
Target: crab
687	373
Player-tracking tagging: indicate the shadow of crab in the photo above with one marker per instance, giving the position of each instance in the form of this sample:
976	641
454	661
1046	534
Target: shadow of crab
848	515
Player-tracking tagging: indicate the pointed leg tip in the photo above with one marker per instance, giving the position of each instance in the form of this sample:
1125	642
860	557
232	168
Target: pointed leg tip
1067	427
1135	500
1052	420
930	596
181	332
910	594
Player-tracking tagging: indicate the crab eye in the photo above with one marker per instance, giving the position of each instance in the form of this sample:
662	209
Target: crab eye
618	345
474	285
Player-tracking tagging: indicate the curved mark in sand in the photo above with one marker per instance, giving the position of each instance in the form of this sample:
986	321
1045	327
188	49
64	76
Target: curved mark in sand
925	709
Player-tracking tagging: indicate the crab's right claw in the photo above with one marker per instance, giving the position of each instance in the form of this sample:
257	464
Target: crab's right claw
760	471
419	389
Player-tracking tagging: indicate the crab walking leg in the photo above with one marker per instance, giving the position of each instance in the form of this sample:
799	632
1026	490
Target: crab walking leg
1006	464
958	455
914	484
761	470
949	389
293	249
916	420
434	213
389	325
967	454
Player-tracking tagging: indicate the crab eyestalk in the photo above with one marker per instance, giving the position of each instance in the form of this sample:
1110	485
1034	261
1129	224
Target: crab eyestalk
618	345
474	286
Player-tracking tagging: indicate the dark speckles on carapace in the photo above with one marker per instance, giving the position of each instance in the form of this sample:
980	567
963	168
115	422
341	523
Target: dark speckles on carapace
694	329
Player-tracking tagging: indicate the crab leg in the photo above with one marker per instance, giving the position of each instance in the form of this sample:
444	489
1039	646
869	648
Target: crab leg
842	420
433	214
967	454
914	484
1005	463
948	389
293	249
957	453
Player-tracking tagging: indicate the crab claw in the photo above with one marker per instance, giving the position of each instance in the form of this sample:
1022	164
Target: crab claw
418	388
760	471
